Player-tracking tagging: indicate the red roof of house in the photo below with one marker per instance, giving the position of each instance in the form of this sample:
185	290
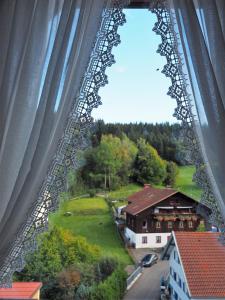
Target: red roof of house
203	260
20	290
146	198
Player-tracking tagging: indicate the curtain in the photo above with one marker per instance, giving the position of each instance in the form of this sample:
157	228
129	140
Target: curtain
46	95
193	41
201	28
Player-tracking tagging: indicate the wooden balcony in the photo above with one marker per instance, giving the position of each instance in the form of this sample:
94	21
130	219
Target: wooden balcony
176	216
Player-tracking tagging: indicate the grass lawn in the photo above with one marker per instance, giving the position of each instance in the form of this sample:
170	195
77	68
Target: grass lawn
92	219
122	193
125	191
185	184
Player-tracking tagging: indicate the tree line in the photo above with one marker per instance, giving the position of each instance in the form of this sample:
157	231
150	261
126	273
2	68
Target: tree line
166	138
116	161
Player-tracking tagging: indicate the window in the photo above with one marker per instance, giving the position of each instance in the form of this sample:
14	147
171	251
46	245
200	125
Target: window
175	276
132	222
179	282
144	224
181	224
158	225
170	224
144	240
175	295
171	271
184	287
158	239
190	224
174	255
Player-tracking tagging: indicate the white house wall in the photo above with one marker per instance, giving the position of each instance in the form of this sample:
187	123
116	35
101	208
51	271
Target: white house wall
136	239
176	267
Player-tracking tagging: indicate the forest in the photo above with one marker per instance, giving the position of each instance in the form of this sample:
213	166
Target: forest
124	153
166	138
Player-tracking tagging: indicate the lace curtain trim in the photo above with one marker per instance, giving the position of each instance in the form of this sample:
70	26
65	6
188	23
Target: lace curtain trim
183	112
73	140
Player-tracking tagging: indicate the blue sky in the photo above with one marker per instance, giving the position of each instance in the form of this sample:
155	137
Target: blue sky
136	90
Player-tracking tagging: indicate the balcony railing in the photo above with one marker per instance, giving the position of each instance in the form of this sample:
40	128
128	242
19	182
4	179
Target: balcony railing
175	216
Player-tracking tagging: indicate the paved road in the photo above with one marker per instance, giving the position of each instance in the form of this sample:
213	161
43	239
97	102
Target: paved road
147	287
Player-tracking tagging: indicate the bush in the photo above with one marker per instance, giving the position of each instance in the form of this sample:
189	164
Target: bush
92	193
51	264
105	268
83	292
112	288
63	286
201	227
88	273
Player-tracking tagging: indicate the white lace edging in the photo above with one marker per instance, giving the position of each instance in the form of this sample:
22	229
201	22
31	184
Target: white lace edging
183	112
73	140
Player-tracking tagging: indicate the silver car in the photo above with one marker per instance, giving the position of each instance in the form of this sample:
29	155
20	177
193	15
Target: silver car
149	260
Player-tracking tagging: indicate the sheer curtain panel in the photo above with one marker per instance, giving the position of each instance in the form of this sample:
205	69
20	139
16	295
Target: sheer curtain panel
193	41
201	27
45	50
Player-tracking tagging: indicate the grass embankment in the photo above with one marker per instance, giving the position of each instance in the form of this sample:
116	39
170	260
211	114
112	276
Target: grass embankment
185	184
92	219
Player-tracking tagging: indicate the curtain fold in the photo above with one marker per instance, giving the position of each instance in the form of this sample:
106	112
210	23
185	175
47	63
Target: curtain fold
193	41
45	50
200	28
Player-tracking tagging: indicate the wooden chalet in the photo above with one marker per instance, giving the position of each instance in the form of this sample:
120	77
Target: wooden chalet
152	214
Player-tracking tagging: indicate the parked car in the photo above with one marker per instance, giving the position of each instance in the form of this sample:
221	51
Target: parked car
149	260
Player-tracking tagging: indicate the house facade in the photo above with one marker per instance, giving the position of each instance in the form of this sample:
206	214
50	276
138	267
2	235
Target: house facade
152	214
197	266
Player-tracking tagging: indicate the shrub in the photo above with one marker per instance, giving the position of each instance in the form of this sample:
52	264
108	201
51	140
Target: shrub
63	286
83	292
58	252
201	227
88	273
112	288
105	267
92	193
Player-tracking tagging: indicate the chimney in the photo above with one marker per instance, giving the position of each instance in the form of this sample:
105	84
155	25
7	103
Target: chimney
147	185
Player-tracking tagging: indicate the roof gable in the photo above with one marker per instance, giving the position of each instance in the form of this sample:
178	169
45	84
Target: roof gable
203	261
149	197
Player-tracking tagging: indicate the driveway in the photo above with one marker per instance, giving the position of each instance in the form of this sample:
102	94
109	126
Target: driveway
147	287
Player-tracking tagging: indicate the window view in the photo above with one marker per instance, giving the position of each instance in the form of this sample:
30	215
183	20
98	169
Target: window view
137	155
130	217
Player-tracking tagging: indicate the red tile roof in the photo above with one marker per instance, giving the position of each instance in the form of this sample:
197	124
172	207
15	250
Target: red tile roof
203	260
20	290
146	198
